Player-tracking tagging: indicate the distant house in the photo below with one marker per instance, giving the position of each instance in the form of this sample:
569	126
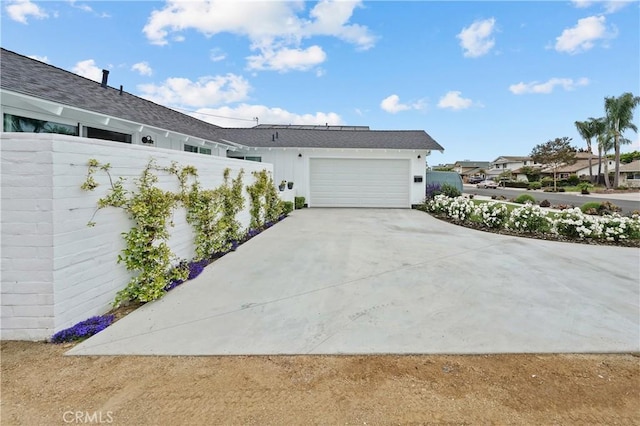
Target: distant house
511	164
332	166
580	168
630	174
467	168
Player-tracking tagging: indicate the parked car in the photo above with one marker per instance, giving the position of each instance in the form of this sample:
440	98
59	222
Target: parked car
487	184
475	179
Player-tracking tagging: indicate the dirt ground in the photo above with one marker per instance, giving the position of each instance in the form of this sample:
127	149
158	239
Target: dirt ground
42	386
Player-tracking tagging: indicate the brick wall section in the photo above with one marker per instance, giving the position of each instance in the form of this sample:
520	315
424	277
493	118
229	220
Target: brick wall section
57	271
27	300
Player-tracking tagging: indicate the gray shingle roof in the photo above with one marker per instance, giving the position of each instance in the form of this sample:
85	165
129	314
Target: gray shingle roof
34	78
27	76
482	164
331	138
633	166
509	158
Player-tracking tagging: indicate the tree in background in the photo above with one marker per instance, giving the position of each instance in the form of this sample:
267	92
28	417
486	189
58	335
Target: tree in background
628	157
532	173
619	118
604	136
554	153
587	130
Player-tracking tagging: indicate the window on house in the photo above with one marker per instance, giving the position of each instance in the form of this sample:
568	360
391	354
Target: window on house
231	154
16	123
633	176
107	135
525	163
197	149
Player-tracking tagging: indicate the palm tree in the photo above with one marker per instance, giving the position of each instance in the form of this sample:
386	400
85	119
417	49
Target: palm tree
620	118
587	131
604	136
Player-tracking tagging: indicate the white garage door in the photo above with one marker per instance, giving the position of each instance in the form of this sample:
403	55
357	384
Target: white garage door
345	182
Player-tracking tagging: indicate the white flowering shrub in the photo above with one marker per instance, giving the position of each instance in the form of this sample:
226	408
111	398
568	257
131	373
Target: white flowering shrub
570	223
529	218
492	214
573	223
618	228
438	204
458	208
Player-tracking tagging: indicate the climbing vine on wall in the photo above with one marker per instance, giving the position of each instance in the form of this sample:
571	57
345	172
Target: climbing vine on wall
266	206
146	252
211	212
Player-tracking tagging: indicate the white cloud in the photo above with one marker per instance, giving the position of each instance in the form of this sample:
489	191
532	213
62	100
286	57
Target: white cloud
610	6
241	116
275	29
287	59
205	92
44	59
476	39
83	7
332	19
217	55
88	69
454	100
143	68
616	5
583	36
548	86
20	10
87	8
581	4
392	104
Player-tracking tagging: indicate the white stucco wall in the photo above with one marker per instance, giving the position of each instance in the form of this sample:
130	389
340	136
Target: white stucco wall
288	166
57	271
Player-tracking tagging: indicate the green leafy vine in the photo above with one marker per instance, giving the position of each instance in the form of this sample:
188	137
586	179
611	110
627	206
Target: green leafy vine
211	213
266	206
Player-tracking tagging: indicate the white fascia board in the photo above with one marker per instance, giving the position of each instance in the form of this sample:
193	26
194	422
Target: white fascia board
234	144
9	97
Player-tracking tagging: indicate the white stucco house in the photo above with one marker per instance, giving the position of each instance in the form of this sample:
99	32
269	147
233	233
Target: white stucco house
630	174
331	166
57	271
513	164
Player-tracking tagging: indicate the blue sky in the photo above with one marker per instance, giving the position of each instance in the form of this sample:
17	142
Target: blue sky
484	79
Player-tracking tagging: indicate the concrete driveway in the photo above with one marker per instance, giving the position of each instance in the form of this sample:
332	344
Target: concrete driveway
364	281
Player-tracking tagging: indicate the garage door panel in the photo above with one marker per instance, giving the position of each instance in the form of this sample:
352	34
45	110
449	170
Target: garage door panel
339	182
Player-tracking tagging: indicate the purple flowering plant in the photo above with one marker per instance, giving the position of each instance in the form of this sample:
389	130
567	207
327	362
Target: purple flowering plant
433	189
83	330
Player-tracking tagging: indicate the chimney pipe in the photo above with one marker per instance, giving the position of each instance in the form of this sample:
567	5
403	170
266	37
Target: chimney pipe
105	77
121	90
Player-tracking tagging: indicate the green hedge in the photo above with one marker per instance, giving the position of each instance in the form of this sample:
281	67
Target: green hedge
517	184
299	202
